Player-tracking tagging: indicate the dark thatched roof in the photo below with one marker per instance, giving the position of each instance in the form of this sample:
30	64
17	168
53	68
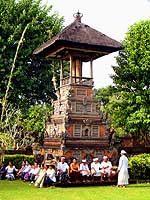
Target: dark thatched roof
80	39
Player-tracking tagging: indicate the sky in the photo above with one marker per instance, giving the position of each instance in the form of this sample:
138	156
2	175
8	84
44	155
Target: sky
111	17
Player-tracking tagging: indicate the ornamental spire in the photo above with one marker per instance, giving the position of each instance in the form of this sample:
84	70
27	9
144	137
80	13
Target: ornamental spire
78	16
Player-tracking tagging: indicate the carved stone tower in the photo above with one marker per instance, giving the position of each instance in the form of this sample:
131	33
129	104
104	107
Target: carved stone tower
77	128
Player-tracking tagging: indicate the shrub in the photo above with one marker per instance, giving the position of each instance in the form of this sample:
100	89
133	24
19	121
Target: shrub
17	159
139	166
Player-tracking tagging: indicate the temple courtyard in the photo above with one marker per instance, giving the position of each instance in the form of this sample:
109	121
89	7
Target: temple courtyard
18	190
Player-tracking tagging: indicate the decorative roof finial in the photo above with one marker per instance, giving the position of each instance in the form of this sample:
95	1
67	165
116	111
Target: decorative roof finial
78	16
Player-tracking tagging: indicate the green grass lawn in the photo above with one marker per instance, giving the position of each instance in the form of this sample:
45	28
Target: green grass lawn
18	190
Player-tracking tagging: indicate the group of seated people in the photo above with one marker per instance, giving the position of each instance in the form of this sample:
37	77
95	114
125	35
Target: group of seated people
95	171
48	174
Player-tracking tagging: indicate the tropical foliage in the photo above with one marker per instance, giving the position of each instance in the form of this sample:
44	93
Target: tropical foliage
139	166
32	77
25	80
129	106
21	129
17	159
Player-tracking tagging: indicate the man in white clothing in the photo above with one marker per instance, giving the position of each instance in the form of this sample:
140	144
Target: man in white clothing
123	175
106	168
95	169
62	170
84	170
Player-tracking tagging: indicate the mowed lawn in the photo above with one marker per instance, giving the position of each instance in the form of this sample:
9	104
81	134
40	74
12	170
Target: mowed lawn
18	190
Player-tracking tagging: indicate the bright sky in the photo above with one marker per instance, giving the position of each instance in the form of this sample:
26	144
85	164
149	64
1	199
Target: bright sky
111	17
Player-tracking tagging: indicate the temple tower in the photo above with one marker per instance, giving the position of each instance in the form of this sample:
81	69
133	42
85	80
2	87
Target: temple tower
77	128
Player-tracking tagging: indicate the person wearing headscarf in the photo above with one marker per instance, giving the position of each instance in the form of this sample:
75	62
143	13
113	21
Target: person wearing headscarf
95	169
84	170
123	175
63	170
106	168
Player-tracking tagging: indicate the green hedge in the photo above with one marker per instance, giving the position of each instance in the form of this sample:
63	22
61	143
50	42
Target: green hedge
139	166
17	159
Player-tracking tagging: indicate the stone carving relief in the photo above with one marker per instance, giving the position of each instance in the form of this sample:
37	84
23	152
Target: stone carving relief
55	130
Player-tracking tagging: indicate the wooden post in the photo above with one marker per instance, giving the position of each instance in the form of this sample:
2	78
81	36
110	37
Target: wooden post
71	60
61	73
78	70
91	69
73	68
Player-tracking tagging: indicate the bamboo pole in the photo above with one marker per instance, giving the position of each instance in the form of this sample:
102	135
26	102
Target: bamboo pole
4	101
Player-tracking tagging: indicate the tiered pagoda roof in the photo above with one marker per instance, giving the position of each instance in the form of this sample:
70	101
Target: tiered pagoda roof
81	40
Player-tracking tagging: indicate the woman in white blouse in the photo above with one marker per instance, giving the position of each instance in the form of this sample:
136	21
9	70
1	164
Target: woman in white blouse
50	177
10	171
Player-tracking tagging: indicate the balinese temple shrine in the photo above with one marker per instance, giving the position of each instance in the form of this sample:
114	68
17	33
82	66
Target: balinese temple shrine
77	127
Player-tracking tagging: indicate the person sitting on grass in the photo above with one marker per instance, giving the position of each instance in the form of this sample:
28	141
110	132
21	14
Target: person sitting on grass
95	169
20	171
74	171
34	172
26	170
84	170
50	177
2	172
40	177
28	174
62	170
10	171
106	168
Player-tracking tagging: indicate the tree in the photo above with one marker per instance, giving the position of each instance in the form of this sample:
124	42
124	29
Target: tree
30	81
20	129
103	94
32	77
129	108
33	121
